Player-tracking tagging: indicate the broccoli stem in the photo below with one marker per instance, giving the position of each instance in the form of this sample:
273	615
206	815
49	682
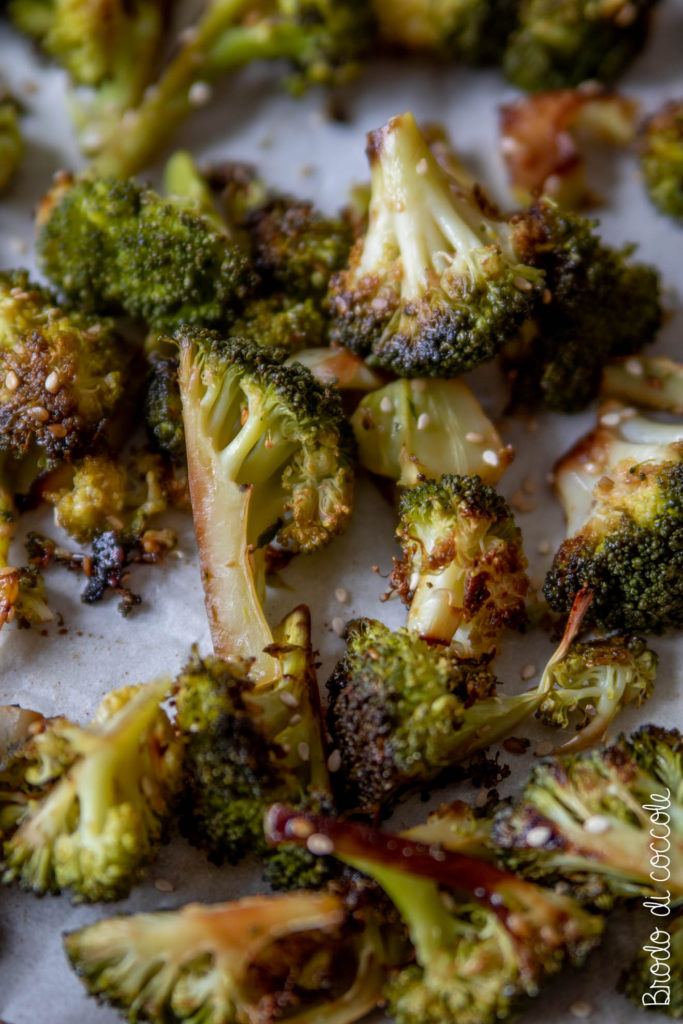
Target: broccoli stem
184	183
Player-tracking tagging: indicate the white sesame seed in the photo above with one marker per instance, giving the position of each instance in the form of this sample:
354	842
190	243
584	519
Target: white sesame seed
39	413
581	1009
543	547
288	699
529	671
418	385
474	437
591	468
11	381
386	405
338	625
299	828
481	798
508	145
304	751
295	719
538	835
163	885
334	761
422	166
423	421
52	383
610	419
522	284
543	749
596	824
342	595
200	93
490	457
320	844
634	367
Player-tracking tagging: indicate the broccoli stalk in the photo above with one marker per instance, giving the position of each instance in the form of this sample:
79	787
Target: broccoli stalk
435	286
477	956
96	819
269	453
652	383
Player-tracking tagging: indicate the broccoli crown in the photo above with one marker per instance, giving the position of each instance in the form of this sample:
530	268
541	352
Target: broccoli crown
561	43
587	817
656	969
434	287
396	704
11	141
419	429
472	31
463	567
164	409
597	679
661	158
281	322
96	800
295	248
63	374
115	246
598	305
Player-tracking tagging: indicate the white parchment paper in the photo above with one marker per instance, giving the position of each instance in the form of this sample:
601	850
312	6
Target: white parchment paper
68	670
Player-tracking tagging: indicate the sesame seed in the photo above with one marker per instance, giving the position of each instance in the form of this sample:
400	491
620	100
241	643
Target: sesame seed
11	381
39	413
320	844
422	166
522	284
423	421
57	430
581	1009
342	595
591	468
529	671
299	828
596	824
474	437
304	751
288	699
610	419
338	625
538	835
543	749
386	405
543	547
52	383
418	385
163	885
295	719
481	798
634	367
490	457
334	761
200	93
508	144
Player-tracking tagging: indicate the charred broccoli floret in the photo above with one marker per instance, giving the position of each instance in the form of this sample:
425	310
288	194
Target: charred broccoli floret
115	246
11	141
471	31
279	321
94	800
621	487
596	680
269	451
484	939
423	428
238	961
654	981
320	38
435	286
654	382
463	570
247	746
598	304
661	158
588	818
164	408
559	44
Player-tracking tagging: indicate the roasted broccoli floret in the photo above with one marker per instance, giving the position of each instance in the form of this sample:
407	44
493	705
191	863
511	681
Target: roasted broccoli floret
471	31
559	44
270	452
424	428
661	158
654	981
164	408
230	962
247	746
653	383
320	38
94	800
597	305
279	321
435	286
484	939
463	570
593	819
115	246
593	682
11	141
621	489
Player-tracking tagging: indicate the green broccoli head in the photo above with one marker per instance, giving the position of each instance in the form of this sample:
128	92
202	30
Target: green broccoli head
97	800
279	321
463	570
115	246
654	981
559	44
587	818
598	305
164	408
268	448
661	158
11	141
483	939
622	490
468	31
593	682
434	287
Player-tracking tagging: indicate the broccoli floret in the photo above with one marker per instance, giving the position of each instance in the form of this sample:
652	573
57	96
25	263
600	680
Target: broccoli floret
319	38
654	981
472	31
597	305
269	451
230	962
654	382
559	44
459	827
11	141
463	570
484	939
421	429
97	799
279	321
164	409
597	679
116	246
661	158
587	818
435	286
621	487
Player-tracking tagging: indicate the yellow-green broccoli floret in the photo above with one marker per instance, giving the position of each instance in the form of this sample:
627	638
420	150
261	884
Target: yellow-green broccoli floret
470	31
11	141
661	158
